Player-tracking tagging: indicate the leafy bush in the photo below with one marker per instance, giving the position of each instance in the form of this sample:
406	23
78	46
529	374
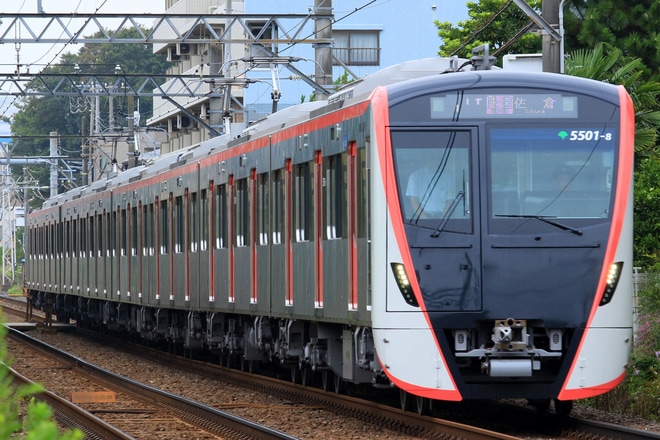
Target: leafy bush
639	394
33	421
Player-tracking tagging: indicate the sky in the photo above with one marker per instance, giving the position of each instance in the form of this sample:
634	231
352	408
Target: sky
41	54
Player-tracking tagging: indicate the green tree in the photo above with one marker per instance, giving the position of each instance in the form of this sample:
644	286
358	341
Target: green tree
646	213
629	26
39	424
495	22
613	67
39	115
608	64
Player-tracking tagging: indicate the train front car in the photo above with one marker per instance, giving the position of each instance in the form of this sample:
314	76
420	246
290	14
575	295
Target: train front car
506	204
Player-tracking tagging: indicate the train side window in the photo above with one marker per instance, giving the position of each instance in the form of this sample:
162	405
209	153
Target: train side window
262	208
112	234
193	226
220	217
134	231
99	235
74	239
83	237
123	239
164	228
278	206
42	242
67	238
242	220
47	241
92	236
334	202
179	224
204	218
151	231
145	230
303	195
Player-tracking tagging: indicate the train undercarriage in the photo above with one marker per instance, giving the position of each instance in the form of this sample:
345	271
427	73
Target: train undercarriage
341	354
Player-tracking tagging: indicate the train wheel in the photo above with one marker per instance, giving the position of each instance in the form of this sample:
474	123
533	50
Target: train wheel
423	405
225	359
339	384
404	399
294	373
563	407
306	374
326	376
540	404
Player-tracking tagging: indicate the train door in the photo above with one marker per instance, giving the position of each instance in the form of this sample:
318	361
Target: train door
438	193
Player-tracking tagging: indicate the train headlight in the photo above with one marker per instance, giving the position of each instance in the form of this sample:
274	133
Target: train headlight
403	282
613	276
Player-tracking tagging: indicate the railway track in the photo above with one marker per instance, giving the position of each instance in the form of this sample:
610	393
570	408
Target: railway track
140	411
504	418
71	416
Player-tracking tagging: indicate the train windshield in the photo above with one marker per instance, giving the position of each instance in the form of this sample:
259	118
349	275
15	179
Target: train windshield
553	174
433	170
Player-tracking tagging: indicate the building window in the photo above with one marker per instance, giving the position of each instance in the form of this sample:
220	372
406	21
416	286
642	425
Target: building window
356	48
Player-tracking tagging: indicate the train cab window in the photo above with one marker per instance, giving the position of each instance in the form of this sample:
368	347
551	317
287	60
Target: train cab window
279	206
433	178
204	219
164	229
563	173
220	216
303	194
193	227
179	224
334	200
242	213
262	209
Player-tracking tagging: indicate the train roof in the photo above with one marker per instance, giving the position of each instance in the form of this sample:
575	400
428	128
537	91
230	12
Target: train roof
398	73
354	92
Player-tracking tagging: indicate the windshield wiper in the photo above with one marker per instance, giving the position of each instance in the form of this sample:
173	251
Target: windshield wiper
544	219
445	218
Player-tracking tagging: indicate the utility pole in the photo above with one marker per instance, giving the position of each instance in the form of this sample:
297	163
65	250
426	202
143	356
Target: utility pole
323	52
53	167
551	47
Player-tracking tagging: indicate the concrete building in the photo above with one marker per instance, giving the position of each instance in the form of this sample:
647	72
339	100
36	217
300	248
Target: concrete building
363	36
